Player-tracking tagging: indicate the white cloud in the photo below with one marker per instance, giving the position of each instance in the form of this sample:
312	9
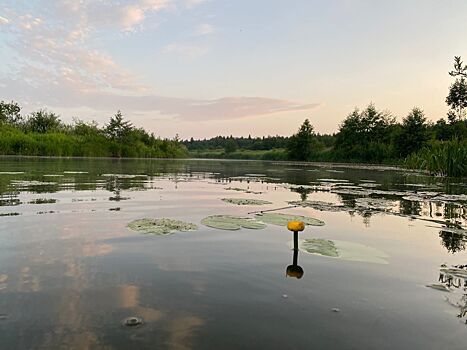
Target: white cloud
4	21
192	3
188	50
204	29
58	67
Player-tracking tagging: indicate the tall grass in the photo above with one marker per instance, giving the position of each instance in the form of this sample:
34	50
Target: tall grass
60	144
448	158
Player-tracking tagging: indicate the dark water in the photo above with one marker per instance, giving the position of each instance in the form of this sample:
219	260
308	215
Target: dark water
71	271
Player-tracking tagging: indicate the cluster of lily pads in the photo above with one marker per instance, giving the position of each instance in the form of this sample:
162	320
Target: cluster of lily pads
221	222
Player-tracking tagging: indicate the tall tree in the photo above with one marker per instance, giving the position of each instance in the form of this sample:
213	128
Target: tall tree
10	112
118	129
414	133
230	145
457	97
365	135
43	121
301	145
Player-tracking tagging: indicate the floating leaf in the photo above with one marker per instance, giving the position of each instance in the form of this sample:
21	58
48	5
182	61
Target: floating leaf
245	201
440	287
229	222
374	204
457	231
43	201
281	219
161	226
124	176
322	206
333	180
319	246
455	272
343	250
242	190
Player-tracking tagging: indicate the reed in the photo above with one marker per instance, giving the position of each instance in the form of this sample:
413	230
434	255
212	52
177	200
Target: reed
448	158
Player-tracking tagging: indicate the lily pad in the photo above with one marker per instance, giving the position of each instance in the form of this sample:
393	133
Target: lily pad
161	226
374	204
321	206
242	190
229	222
281	219
43	201
457	231
343	250
245	201
319	246
438	286
455	272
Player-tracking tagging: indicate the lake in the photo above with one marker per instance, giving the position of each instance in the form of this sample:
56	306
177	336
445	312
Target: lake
72	271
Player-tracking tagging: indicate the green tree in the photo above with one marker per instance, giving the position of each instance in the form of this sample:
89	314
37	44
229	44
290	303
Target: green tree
365	135
10	112
302	144
118	129
230	145
457	97
414	133
83	128
43	122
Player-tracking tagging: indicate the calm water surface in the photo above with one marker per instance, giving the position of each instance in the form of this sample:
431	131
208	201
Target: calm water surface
71	270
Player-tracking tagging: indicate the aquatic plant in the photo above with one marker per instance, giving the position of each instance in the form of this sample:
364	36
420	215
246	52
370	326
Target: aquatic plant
161	226
319	246
43	201
245	201
439	286
321	206
343	250
447	158
229	222
281	219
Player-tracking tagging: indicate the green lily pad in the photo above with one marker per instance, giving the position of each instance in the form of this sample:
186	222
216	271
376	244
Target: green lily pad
229	222
456	272
161	226
281	219
319	246
343	250
321	206
245	201
242	190
438	286
377	204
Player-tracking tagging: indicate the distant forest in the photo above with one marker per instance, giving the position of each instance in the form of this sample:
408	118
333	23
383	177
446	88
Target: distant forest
367	136
42	133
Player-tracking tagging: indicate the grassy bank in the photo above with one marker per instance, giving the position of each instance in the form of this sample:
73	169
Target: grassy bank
219	153
69	143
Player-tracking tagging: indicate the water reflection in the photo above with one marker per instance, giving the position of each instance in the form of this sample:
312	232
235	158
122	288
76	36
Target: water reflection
295	270
83	274
453	242
454	280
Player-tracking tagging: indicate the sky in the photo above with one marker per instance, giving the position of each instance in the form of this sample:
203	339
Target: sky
201	68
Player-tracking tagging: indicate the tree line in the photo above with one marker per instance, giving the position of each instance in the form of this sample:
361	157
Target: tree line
370	135
43	133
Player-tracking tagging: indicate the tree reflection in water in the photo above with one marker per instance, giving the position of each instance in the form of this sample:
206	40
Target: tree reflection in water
453	242
456	280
